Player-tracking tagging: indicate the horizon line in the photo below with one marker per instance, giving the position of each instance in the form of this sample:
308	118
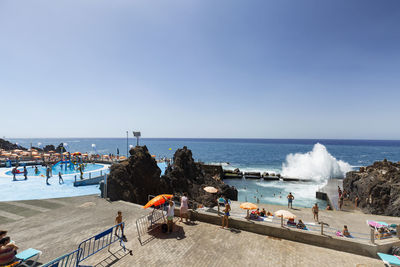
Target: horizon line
222	138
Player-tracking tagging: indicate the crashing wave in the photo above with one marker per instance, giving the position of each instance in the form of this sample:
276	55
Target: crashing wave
317	164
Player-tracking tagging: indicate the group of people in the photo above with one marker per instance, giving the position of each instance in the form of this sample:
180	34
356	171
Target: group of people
8	249
15	171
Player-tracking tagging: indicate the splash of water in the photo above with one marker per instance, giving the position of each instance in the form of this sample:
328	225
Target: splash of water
317	164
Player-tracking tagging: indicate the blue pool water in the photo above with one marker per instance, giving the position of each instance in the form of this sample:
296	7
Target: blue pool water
63	168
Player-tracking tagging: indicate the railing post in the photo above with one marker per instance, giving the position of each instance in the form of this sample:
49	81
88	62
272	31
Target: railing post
372	236
90	175
322	228
75	178
281	221
398	230
101	173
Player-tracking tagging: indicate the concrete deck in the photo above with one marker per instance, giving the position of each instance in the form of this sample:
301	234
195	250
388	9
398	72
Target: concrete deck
57	226
331	191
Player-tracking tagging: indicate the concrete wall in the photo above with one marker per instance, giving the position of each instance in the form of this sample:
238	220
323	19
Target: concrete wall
307	237
91	181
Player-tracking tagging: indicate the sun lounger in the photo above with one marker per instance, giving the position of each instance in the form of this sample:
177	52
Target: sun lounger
29	254
389	260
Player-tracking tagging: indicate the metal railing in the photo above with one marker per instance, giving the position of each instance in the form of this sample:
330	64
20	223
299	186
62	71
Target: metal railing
100	241
148	223
67	260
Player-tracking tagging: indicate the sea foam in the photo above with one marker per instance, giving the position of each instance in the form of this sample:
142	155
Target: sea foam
317	164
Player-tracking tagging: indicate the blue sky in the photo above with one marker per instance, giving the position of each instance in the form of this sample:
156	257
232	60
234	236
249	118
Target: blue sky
226	68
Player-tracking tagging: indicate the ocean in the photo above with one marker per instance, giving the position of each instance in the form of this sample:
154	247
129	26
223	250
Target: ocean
313	159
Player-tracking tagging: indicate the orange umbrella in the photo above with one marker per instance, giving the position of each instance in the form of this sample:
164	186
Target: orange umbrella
76	154
248	206
210	189
157	201
37	157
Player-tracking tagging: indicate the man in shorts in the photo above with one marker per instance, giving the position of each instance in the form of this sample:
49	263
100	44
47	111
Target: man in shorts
170	216
290	198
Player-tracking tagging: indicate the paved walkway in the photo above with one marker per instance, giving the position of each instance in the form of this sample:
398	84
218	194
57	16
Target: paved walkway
57	226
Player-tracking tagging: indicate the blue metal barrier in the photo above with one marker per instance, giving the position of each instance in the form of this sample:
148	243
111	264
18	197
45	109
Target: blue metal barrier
67	260
98	242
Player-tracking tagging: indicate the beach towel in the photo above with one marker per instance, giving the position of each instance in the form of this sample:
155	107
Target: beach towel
389	259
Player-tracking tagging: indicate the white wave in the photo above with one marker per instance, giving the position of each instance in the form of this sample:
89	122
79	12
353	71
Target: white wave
251	169
317	164
223	164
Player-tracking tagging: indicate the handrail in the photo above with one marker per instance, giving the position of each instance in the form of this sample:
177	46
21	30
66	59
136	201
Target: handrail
66	260
100	241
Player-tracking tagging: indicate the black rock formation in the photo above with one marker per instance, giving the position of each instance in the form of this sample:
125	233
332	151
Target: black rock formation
377	187
4	144
134	179
139	176
59	149
48	148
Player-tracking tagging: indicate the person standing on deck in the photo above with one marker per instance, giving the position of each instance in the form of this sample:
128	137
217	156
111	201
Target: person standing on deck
290	198
315	212
25	173
47	175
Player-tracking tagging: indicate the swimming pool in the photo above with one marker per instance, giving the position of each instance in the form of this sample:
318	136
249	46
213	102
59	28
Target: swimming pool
64	168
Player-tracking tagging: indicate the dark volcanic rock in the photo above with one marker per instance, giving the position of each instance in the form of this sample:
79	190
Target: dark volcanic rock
4	144
377	186
48	148
133	180
60	148
136	178
188	176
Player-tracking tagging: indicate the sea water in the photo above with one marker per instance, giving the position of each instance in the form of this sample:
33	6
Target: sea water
313	159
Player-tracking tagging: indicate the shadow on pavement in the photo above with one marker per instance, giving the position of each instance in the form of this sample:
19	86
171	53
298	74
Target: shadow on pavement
113	258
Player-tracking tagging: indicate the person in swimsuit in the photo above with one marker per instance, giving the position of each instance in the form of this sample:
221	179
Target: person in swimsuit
346	232
315	211
60	179
225	218
25	173
290	198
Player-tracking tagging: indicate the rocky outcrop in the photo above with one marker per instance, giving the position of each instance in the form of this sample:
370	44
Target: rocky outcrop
60	148
187	176
139	176
134	179
48	148
4	144
377	187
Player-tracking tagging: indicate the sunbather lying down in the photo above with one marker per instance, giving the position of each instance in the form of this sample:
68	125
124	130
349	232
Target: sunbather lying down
383	232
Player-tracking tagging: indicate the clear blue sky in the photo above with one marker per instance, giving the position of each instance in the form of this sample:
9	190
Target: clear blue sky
205	68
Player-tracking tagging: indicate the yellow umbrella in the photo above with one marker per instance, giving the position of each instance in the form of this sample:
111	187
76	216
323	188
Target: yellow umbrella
210	189
285	214
248	206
